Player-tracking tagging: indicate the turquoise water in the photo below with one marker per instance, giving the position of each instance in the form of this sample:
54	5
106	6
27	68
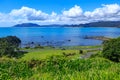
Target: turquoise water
59	36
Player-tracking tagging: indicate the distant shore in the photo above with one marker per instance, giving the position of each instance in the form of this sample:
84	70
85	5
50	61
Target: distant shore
92	24
97	38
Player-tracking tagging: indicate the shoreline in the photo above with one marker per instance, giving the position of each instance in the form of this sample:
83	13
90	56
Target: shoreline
103	38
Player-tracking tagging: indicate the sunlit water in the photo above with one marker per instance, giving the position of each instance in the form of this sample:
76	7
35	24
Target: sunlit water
59	36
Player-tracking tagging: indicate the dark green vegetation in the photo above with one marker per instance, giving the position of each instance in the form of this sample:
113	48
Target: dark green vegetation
111	49
8	46
63	63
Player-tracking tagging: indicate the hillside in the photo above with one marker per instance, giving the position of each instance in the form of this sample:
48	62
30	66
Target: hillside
92	24
102	24
27	25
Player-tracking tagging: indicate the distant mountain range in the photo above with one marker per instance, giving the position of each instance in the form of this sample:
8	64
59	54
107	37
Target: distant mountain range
93	24
102	24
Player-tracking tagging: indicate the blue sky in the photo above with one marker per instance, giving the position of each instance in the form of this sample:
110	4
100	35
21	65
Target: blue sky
57	11
53	5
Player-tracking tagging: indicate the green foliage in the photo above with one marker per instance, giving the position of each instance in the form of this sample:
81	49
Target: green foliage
60	68
111	49
27	47
8	45
5	48
46	52
13	40
39	47
65	66
80	51
14	70
98	54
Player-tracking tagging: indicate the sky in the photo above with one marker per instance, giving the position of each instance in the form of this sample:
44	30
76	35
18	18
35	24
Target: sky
45	12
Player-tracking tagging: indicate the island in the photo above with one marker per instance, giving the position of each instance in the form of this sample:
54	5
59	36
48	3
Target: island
27	25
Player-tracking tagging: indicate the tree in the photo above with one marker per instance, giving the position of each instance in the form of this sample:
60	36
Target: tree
111	49
13	40
80	51
8	45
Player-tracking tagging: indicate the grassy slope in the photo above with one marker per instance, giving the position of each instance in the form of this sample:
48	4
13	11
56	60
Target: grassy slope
44	53
48	51
61	69
58	67
91	69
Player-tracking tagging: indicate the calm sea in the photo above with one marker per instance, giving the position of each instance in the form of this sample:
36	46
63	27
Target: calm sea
59	36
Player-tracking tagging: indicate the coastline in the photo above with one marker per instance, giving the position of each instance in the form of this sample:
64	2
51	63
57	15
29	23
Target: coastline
103	38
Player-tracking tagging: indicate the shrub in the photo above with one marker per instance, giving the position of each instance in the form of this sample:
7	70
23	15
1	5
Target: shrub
80	51
111	49
27	47
38	46
8	45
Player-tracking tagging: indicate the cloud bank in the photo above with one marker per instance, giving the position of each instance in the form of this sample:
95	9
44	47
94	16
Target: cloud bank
74	15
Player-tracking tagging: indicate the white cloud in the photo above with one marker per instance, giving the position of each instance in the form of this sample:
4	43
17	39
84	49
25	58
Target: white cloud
53	17
29	13
107	12
75	11
74	15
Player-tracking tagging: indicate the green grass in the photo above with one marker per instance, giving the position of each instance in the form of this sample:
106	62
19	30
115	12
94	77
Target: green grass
48	51
90	69
44	53
60	68
51	64
81	47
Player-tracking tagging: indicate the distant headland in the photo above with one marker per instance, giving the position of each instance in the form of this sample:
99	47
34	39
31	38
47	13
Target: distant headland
92	24
27	25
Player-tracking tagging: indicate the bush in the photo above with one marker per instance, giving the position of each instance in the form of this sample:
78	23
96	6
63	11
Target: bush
111	49
27	47
39	47
9	45
80	51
